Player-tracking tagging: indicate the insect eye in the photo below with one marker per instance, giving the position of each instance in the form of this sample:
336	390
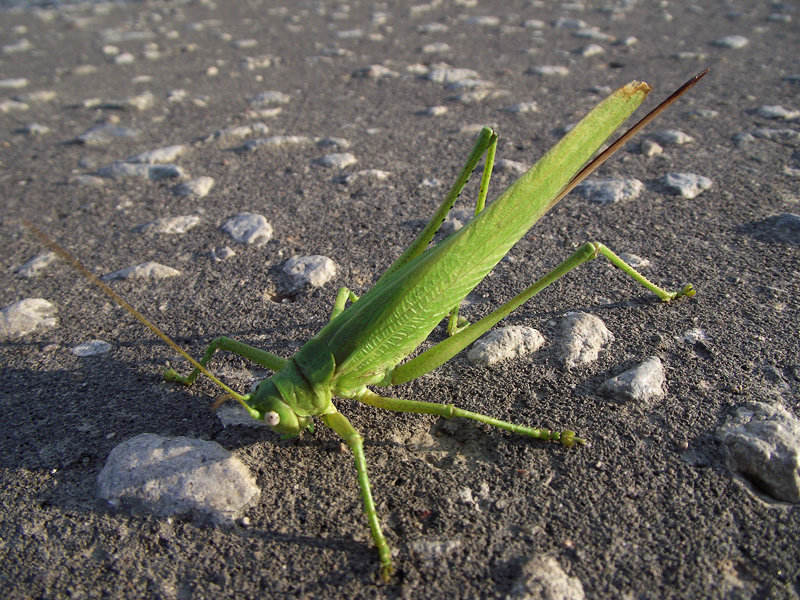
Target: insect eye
272	418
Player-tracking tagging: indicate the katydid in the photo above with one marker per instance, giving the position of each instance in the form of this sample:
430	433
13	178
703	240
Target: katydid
365	341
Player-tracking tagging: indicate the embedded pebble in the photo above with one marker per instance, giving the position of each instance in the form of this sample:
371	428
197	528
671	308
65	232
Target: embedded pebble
123	170
333	142
376	174
34	129
687	185
224	253
171	225
177	475
483	20
569	23
731	41
34	266
763	443
694	336
642	383
450	75
777	135
637	262
777	112
549	70
521	108
650	148
671	137
238	132
591	50
91	348
277	141
610	191
787	227
22	45
140	102
249	228
13	83
147	270
435	48
37	96
376	72
543	578
158	156
196	188
593	33
7	106
269	98
505	343
583	336
106	133
509	166
26	316
314	271
338	160
433	111
434	550
456	219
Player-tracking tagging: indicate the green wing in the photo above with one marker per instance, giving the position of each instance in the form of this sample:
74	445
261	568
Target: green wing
375	333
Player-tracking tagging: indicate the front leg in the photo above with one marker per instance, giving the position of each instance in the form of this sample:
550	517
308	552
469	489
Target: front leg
339	423
258	356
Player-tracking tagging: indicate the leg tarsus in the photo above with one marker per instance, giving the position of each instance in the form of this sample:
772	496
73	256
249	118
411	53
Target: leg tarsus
448	411
688	290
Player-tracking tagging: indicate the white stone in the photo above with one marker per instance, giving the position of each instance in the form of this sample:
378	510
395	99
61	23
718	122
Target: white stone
105	133
687	185
196	188
610	191
671	137
177	475
450	74
505	343
91	348
763	442
34	266
376	174
313	270
249	228
376	72
543	578
522	108
159	156
583	336
147	270
338	160
13	83
277	141
269	98
26	316
170	225
123	170
731	41
777	112
548	70
642	383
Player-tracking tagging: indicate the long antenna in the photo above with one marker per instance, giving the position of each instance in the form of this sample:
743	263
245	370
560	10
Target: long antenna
608	152
121	302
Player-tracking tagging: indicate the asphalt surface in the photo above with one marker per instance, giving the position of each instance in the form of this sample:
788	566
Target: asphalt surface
649	509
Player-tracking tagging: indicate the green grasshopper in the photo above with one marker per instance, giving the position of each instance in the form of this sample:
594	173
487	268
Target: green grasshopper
364	342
